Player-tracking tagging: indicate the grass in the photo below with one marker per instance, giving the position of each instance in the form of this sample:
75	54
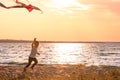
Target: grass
61	72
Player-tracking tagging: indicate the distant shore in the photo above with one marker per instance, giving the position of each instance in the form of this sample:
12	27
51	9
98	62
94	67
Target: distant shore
60	72
29	41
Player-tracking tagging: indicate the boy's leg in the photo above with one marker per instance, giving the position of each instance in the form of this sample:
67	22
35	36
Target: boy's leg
35	62
29	62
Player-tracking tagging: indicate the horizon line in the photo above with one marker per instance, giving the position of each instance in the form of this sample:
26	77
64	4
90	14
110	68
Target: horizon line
50	41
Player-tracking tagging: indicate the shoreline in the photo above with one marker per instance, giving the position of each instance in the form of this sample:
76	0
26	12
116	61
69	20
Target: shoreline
60	72
23	64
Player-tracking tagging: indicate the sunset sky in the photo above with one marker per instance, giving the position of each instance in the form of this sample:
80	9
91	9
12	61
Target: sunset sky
62	20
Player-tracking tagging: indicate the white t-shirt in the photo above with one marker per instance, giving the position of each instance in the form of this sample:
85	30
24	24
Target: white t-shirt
33	52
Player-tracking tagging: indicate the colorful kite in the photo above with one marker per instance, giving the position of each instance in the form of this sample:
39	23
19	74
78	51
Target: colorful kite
22	5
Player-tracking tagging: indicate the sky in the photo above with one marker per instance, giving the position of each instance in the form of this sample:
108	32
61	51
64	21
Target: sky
62	20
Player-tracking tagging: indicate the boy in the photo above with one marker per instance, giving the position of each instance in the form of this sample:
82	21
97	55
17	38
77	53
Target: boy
32	56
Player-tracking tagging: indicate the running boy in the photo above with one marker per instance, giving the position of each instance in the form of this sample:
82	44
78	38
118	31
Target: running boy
32	57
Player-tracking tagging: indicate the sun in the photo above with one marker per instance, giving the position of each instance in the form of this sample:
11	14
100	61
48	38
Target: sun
62	4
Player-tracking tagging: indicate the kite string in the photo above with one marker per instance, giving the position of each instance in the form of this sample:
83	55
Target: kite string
18	1
28	1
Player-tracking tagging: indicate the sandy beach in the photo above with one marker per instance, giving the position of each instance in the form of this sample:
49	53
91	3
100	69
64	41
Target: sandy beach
60	72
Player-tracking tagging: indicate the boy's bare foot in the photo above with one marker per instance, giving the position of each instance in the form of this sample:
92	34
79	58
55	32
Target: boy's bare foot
24	70
32	68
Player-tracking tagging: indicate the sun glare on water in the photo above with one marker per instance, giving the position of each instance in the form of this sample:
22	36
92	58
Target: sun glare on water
64	53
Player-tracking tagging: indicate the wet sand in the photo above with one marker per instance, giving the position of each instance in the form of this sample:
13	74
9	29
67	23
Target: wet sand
60	72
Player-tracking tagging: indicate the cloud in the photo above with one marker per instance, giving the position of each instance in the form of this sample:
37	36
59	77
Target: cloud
65	6
74	6
112	6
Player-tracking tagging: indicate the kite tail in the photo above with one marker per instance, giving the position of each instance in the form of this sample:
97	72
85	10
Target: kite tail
2	5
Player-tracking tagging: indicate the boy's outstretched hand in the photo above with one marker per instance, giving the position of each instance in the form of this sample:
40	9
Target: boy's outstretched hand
38	53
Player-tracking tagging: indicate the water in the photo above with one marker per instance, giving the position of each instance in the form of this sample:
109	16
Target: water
63	53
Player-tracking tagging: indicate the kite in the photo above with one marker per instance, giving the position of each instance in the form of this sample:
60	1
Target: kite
22	5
